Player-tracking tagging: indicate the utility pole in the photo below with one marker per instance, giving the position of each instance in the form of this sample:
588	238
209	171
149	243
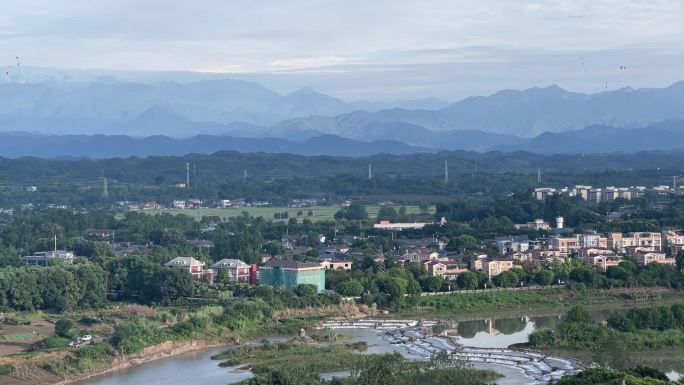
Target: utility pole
446	172
370	172
105	191
244	177
55	242
187	175
674	182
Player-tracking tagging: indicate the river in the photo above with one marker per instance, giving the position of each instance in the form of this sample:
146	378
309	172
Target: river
198	368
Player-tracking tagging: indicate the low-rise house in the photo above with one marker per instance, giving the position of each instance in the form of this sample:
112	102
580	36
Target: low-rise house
635	251
512	244
646	258
602	261
179	204
420	255
45	258
447	269
494	267
386	225
537	224
192	266
337	264
151	206
591	251
564	244
618	241
236	270
519	256
290	274
99	234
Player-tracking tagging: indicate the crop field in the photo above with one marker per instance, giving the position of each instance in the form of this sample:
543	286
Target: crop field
318	213
18	336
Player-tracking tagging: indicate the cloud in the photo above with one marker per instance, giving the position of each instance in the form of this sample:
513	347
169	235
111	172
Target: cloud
393	37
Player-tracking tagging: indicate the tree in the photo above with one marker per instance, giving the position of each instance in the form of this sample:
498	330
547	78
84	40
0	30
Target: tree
306	290
464	242
506	279
353	212
468	280
387	213
544	277
351	288
64	328
431	283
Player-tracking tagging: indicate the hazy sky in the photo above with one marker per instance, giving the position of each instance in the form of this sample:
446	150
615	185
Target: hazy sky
361	48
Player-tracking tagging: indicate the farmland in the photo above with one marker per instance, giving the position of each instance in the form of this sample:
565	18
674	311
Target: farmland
319	213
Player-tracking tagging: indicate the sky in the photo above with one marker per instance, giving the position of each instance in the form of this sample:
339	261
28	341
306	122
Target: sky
361	49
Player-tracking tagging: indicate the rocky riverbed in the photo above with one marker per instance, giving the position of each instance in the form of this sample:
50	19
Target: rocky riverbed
416	340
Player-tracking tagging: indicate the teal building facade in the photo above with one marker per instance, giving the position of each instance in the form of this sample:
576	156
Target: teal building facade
290	274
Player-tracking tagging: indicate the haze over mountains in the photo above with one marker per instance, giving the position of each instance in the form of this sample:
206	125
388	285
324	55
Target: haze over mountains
249	117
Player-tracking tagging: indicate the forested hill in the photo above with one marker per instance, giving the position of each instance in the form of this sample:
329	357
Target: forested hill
265	166
278	177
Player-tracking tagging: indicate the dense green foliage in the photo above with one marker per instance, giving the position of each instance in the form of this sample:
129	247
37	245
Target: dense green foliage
642	328
612	377
58	287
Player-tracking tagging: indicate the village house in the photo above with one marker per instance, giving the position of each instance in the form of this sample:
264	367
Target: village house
564	244
336	264
618	241
511	244
635	251
591	251
192	266
494	267
646	258
236	270
604	261
537	224
446	269
420	255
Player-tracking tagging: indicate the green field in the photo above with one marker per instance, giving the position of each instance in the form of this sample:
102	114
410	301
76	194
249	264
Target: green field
320	213
18	336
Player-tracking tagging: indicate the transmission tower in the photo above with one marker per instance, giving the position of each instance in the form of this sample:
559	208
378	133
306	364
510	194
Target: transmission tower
370	172
446	172
187	174
105	189
539	175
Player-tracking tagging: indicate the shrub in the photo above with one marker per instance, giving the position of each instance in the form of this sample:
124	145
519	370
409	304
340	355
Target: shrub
6	369
64	328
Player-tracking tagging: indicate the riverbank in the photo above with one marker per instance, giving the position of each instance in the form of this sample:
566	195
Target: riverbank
150	354
33	372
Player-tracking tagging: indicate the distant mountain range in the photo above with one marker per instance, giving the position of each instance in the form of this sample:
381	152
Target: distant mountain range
240	108
120	146
664	136
109	117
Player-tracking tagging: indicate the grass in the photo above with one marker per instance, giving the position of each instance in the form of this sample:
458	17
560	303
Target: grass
285	356
320	213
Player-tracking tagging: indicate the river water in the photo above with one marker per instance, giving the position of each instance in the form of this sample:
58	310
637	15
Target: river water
198	368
